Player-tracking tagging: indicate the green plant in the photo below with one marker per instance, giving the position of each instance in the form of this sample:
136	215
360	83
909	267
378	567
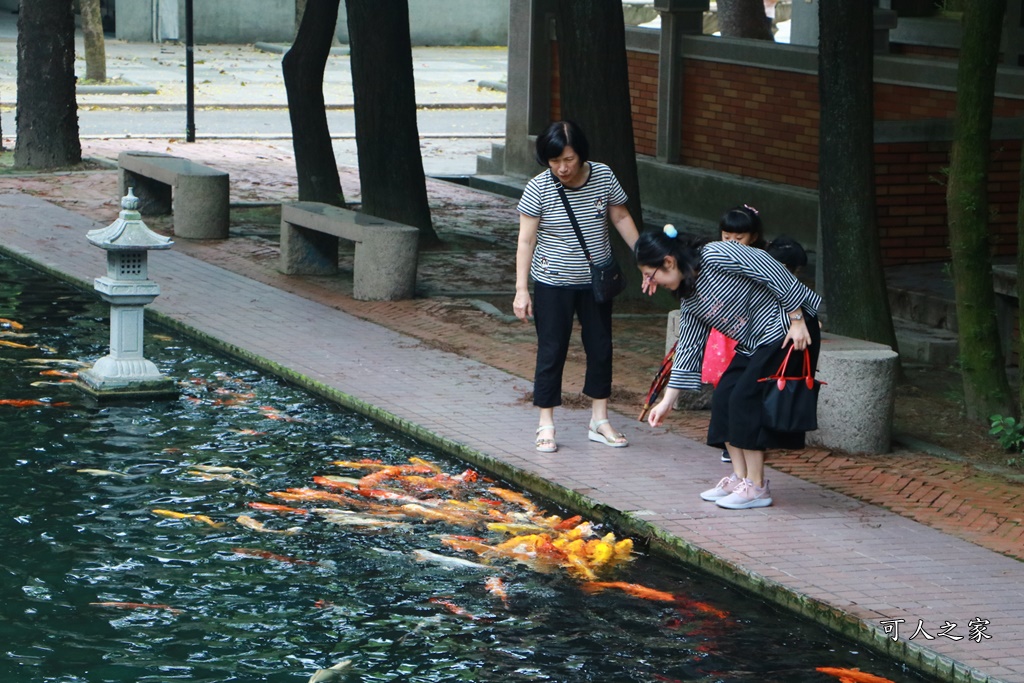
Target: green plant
1009	432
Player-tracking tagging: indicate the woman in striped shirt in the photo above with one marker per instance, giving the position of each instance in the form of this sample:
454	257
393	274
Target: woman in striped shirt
750	297
549	252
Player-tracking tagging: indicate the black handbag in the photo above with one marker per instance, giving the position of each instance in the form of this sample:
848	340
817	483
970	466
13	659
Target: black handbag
606	278
791	403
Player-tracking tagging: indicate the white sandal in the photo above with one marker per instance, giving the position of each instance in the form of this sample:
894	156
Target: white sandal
546	444
595	435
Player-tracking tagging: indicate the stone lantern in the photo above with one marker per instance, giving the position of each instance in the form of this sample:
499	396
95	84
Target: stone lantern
124	373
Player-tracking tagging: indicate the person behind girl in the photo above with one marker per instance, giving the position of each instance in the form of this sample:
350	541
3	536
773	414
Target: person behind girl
743	225
748	296
549	252
788	252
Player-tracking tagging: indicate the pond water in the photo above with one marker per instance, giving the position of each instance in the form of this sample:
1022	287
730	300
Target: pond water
132	552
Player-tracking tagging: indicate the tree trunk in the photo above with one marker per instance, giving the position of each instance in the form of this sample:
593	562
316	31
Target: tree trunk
595	94
1020	274
986	389
300	8
47	112
855	290
745	19
303	67
387	136
95	48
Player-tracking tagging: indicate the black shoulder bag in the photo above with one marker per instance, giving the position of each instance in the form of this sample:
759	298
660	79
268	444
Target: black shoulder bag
607	278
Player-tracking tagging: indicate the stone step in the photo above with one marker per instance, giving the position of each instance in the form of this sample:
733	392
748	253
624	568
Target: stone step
493	164
924	344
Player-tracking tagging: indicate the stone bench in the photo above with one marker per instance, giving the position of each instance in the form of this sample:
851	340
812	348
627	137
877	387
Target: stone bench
197	195
855	409
385	255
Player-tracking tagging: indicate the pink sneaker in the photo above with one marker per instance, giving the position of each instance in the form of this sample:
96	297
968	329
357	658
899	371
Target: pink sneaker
747	496
722	489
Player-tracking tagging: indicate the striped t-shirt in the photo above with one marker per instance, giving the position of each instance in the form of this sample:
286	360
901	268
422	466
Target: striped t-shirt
743	293
558	258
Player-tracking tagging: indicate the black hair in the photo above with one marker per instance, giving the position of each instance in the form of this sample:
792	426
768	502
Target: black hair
556	137
654	246
744	219
788	252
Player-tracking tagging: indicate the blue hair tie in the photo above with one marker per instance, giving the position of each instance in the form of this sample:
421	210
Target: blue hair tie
670	230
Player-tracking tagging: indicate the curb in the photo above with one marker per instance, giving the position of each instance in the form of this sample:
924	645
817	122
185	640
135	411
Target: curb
280	49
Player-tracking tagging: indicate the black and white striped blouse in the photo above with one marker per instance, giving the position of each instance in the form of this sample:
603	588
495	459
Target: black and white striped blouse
743	293
558	259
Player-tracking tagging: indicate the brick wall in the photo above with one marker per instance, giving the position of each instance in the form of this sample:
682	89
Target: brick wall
750	121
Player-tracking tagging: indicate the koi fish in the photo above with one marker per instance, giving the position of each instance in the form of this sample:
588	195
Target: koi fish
256	525
16	345
267	555
31	403
349	518
514	498
455	609
270	507
425	463
333	673
496	587
187	515
323	604
297	494
215	469
510	528
852	675
13	324
103	473
206	476
360	464
67	362
59	373
45	383
247	432
163	337
272	413
634	589
446	561
137	605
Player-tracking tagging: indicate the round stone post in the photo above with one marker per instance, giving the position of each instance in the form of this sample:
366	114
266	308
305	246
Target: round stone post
124	372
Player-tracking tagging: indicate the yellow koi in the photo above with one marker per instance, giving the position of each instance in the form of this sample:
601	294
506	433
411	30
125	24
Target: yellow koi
16	345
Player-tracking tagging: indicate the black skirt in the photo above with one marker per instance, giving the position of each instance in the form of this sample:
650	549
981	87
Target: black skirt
737	402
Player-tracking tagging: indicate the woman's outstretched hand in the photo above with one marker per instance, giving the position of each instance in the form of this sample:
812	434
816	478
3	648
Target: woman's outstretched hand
522	306
657	414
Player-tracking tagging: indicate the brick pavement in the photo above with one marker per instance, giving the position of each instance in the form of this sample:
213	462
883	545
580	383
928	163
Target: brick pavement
846	562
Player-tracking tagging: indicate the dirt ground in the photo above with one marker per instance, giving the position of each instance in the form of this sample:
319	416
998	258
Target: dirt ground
466	284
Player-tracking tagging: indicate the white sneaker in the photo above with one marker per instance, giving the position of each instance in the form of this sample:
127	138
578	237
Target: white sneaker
722	489
747	496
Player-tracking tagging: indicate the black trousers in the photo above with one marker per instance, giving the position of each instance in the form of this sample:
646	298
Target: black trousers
553	311
738	399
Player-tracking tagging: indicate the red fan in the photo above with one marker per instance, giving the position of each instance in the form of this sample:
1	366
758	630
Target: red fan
660	380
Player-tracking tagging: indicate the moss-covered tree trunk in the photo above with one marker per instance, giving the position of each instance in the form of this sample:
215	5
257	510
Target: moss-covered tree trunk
1020	273
303	67
595	94
856	295
47	112
92	35
986	389
391	173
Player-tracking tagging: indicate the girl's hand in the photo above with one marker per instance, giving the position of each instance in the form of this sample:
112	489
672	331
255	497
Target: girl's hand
664	407
522	305
798	335
649	286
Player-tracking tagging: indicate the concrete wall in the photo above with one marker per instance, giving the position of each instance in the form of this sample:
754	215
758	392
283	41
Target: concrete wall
8	5
431	22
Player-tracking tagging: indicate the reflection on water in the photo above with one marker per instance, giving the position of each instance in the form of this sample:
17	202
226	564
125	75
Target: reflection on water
97	587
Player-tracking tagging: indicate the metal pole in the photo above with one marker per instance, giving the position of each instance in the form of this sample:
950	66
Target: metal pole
190	100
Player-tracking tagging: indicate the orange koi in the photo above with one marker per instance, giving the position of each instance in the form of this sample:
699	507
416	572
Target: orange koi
13	324
496	587
297	494
59	373
323	604
247	432
267	555
187	515
392	472
31	403
425	463
272	413
852	675
634	589
366	464
513	497
570	523
270	507
707	609
136	605
16	345
326	480
256	525
468	544
455	609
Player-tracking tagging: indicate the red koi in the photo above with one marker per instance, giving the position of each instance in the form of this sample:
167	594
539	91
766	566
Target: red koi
455	609
332	484
31	403
852	675
270	507
634	589
323	604
267	555
136	605
570	523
